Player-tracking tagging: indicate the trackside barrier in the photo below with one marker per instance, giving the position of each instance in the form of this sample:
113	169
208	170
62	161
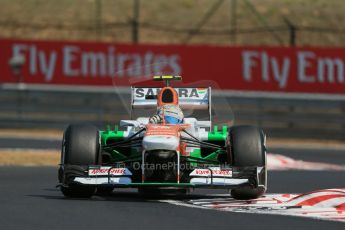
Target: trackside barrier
280	115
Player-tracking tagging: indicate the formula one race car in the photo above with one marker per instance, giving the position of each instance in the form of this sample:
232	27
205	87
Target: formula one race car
164	155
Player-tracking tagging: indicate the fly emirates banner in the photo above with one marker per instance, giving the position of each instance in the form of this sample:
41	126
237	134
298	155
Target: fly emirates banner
271	69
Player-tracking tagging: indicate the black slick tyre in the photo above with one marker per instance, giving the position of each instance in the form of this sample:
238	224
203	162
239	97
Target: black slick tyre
247	148
80	148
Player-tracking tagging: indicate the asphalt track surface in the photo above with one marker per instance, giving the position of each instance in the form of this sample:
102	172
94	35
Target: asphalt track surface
29	200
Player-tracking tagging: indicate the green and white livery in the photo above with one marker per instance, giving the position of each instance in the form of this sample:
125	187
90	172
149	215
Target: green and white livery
164	157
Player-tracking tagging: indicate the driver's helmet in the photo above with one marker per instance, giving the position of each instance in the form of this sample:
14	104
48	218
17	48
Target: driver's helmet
171	113
168	108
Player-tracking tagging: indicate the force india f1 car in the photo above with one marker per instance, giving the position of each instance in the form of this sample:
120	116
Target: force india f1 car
158	157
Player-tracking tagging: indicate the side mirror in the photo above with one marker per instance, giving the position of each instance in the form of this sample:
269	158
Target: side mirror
129	123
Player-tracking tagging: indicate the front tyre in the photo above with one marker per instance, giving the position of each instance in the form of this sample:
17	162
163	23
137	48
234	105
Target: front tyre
78	191
80	148
247	148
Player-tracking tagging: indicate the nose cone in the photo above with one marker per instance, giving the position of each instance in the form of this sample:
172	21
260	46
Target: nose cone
163	142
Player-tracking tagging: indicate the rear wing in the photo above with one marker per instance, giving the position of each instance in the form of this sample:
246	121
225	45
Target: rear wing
197	98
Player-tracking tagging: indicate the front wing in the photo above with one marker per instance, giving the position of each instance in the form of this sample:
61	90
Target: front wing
211	177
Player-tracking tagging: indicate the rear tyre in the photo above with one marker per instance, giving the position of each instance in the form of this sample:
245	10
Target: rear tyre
247	148
80	148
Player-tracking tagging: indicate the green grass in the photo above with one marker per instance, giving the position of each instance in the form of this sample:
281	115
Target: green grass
82	20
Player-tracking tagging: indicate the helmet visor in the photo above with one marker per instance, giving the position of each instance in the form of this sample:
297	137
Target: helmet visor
172	120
